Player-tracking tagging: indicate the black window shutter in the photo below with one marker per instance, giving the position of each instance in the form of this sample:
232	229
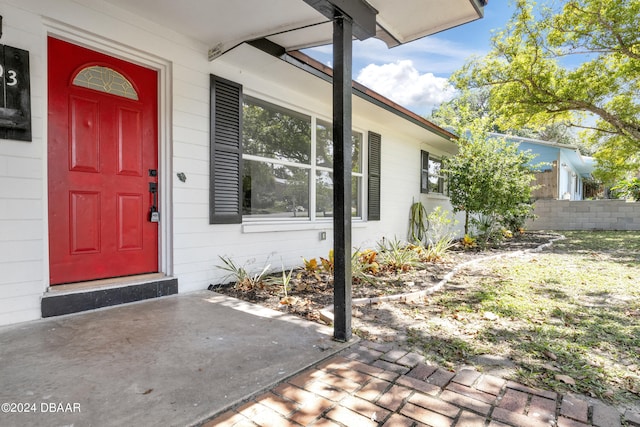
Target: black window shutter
375	156
424	171
225	186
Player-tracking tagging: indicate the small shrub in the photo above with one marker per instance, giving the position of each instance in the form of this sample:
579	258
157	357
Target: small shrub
311	265
438	250
440	235
468	242
488	229
418	249
368	258
328	264
363	265
243	279
398	256
285	282
515	219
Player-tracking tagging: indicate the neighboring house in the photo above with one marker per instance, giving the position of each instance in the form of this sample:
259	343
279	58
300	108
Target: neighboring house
564	170
150	139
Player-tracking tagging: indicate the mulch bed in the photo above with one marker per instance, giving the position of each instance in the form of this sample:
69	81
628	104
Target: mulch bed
312	291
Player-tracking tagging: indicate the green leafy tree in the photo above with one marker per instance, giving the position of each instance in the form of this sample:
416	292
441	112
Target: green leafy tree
476	104
489	177
629	189
466	107
567	62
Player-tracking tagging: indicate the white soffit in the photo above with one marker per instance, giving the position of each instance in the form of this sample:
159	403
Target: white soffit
223	24
408	20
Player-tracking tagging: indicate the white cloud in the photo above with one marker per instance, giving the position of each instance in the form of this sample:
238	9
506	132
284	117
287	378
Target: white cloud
413	75
432	54
403	83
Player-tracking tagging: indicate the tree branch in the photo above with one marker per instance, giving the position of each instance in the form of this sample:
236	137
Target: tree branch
575	125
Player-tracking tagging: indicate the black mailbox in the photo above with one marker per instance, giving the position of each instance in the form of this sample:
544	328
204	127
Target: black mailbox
15	94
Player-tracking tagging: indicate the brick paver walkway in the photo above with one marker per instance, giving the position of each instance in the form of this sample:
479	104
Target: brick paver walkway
373	384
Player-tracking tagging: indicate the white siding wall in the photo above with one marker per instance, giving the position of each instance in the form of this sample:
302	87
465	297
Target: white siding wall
191	245
23	186
567	180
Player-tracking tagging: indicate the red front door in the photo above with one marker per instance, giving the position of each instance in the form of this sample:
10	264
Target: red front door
102	157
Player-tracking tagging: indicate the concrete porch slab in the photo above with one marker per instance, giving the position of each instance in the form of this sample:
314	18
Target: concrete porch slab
175	360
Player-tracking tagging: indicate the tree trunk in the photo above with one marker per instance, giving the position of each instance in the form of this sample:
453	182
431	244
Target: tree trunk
466	222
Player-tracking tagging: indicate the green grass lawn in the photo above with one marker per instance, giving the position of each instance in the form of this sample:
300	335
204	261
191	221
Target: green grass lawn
569	316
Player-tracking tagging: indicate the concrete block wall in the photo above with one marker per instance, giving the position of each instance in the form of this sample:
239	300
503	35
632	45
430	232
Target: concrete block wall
585	215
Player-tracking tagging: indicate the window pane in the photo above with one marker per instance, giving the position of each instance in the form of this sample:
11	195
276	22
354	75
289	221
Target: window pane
356	196
424	182
424	171
356	152
435	179
324	195
275	132
324	146
105	80
274	191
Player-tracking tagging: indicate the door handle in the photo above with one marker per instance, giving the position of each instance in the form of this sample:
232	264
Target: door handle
154	215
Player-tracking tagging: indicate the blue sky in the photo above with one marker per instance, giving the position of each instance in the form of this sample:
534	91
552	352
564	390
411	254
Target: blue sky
414	75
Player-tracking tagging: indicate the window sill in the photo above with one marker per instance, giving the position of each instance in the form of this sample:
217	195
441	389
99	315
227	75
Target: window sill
269	227
436	196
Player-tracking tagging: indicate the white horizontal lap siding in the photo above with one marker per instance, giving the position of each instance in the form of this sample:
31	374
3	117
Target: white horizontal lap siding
193	237
400	185
19	309
197	253
22	185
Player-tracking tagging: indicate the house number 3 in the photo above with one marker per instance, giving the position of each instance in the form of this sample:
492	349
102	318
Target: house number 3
12	76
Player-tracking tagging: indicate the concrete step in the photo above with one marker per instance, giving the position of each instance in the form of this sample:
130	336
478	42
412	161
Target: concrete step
75	298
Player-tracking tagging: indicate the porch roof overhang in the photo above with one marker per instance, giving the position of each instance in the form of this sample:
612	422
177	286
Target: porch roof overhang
297	24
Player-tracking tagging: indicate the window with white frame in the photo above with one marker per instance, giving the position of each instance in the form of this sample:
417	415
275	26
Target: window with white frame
431	177
288	164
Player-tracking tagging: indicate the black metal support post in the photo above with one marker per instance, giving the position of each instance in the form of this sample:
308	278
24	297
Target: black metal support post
342	87
350	17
